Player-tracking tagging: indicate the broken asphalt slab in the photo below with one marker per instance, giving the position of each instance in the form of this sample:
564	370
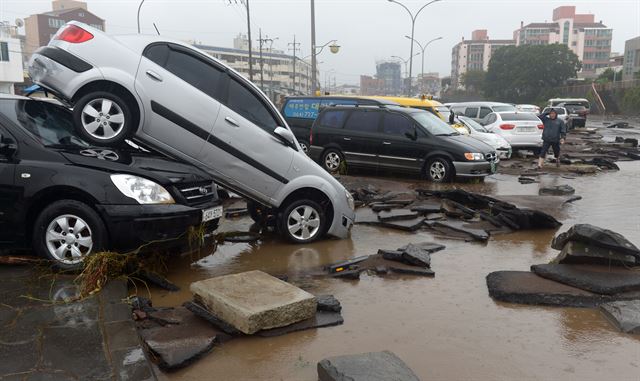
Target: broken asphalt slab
598	279
596	236
253	301
558	190
319	320
397	215
625	315
475	234
584	253
373	366
523	287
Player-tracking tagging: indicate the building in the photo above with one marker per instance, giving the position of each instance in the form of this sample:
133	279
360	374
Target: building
631	65
275	75
40	28
429	84
11	69
370	85
474	54
588	39
390	73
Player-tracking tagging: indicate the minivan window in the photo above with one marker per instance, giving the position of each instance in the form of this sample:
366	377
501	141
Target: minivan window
397	124
484	111
510	116
246	103
195	72
332	119
50	124
504	108
363	121
433	124
471	112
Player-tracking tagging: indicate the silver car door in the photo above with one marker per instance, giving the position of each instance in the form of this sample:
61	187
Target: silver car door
179	90
254	158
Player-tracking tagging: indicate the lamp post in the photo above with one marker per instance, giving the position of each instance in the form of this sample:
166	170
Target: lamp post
413	26
405	63
139	7
423	48
334	48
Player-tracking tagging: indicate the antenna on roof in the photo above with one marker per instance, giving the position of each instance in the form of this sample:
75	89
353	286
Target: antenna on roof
157	31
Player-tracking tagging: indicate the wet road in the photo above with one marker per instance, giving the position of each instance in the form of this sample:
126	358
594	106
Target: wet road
445	327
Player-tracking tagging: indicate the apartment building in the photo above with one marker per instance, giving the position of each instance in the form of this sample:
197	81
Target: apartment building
474	54
588	39
11	69
631	62
40	28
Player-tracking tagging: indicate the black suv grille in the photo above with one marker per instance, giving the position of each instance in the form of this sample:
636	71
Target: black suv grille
197	193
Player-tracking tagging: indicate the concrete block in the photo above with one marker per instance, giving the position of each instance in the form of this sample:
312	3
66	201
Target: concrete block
253	301
373	366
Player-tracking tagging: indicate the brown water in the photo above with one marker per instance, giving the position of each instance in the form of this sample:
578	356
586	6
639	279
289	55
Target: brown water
444	328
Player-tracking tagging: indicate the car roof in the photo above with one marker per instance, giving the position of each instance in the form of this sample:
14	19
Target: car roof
411	102
481	104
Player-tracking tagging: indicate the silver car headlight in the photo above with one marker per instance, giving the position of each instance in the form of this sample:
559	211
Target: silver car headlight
142	190
350	201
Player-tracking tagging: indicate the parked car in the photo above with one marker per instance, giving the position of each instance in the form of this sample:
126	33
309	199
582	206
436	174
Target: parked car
397	138
300	112
477	131
523	130
182	102
67	199
479	110
577	114
553	102
528	108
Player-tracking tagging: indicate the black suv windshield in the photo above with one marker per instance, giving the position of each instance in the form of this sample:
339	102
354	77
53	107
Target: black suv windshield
51	124
433	124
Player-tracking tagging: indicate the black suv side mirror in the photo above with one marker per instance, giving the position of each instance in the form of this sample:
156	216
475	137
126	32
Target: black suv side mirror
8	147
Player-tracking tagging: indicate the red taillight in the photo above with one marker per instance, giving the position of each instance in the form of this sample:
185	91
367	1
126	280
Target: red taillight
74	34
540	126
507	126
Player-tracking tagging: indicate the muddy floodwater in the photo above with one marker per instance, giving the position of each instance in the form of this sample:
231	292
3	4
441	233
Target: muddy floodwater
444	328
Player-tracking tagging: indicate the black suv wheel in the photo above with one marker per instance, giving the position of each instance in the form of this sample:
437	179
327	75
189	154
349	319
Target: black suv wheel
332	159
68	231
103	118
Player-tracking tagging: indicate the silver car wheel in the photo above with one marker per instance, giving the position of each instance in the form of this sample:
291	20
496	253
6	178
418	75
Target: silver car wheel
332	161
437	170
102	119
303	222
69	239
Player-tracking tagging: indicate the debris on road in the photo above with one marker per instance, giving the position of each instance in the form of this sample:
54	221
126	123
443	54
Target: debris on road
595	239
373	366
625	315
254	301
558	190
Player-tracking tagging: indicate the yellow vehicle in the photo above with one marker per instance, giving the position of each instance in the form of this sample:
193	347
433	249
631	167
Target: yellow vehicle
424	103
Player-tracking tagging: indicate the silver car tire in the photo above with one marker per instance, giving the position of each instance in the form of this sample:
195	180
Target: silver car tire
302	221
439	170
103	118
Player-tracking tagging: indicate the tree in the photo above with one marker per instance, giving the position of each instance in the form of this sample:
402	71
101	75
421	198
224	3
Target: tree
521	74
608	76
473	80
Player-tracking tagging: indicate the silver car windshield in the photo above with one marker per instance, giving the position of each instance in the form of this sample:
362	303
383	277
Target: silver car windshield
472	124
503	108
433	124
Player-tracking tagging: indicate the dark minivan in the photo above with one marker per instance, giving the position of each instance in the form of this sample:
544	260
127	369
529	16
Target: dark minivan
301	112
67	199
398	139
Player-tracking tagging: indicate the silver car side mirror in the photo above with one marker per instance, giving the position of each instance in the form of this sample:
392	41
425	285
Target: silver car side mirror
286	135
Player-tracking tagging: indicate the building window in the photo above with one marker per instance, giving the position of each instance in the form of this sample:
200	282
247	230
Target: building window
4	51
55	23
565	33
80	14
96	26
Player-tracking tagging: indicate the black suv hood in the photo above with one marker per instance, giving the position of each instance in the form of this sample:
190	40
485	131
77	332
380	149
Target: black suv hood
471	144
161	169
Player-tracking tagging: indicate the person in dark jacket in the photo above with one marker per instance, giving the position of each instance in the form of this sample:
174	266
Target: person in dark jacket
553	134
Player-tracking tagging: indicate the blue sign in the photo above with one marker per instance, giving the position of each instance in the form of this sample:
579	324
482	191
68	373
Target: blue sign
308	108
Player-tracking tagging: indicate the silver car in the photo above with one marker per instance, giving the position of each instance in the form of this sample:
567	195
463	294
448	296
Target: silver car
180	101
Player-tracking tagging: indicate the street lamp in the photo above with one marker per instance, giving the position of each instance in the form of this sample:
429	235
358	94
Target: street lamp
334	48
413	25
423	48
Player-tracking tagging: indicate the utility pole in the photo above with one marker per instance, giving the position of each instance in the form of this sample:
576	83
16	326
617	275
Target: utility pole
260	40
295	48
313	48
246	5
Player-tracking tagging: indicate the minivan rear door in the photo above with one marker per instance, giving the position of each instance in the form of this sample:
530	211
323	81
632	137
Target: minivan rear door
400	148
361	138
180	91
243	146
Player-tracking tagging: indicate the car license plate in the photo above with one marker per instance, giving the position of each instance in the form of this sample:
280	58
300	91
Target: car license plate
526	129
211	213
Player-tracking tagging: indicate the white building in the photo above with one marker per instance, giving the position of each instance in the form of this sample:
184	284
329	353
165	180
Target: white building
11	69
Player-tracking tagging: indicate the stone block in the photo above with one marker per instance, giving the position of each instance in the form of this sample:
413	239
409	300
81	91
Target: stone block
623	314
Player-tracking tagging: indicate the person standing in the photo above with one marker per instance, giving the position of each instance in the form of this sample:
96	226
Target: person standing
553	135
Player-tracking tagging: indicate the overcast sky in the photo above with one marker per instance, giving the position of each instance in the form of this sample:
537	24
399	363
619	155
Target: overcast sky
367	30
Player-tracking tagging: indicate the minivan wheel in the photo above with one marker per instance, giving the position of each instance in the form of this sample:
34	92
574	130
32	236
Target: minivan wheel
331	160
103	118
302	221
68	231
439	170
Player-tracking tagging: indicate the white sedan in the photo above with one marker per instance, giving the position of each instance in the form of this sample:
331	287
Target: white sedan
520	129
477	131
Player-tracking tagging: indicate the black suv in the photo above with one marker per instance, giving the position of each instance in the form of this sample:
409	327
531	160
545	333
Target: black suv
397	138
67	199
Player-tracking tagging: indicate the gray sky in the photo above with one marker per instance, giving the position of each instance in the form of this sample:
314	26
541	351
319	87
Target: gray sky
367	30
